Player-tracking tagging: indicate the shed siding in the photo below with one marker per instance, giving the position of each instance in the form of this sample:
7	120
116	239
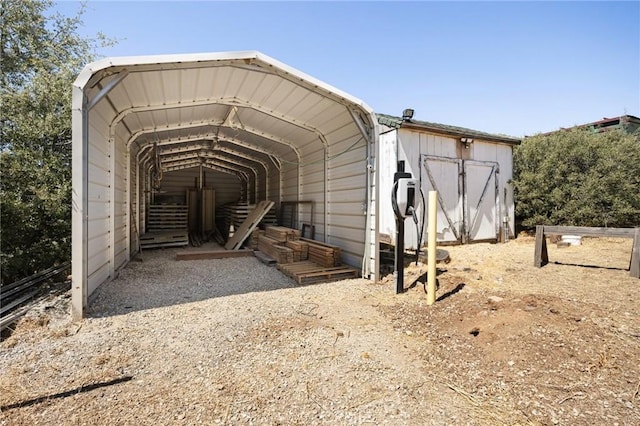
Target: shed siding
414	148
503	155
386	168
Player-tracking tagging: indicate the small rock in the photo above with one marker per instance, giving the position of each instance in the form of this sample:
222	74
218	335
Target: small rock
495	299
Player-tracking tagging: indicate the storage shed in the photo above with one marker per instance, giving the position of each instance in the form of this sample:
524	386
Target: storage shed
241	124
471	170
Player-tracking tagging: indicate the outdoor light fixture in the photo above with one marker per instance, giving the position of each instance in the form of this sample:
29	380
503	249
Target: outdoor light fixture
407	114
467	142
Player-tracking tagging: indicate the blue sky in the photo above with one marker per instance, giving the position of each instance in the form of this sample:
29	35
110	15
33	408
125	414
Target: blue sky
515	68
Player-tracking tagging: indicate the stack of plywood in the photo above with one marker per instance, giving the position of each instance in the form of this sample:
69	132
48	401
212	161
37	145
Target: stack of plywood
272	248
323	254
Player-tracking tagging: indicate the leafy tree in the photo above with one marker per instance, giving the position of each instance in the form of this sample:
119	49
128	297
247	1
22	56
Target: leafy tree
40	56
578	177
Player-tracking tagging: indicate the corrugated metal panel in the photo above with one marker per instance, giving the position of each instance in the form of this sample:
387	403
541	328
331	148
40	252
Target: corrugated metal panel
227	186
99	207
120	224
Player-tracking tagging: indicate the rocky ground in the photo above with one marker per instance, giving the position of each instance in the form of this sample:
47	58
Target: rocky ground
235	342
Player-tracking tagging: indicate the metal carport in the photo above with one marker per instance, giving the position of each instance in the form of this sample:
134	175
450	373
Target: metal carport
285	135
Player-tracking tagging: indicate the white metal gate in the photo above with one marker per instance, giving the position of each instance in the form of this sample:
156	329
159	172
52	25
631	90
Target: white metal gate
468	198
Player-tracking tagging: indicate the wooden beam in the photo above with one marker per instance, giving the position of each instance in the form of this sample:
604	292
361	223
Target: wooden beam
585	231
247	227
634	264
541	256
215	254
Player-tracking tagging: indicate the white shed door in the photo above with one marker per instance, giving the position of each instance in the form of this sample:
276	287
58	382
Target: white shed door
468	203
443	175
482	206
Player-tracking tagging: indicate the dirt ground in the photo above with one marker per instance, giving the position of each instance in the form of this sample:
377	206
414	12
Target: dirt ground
505	343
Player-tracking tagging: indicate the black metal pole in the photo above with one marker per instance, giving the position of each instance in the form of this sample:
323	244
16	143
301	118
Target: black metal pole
399	261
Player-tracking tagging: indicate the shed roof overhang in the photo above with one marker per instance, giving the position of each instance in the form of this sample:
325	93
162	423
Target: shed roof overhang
444	129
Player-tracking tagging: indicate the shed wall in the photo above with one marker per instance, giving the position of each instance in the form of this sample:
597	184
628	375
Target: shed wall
414	148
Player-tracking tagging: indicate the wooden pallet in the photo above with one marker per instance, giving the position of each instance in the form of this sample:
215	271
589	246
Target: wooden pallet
308	272
154	239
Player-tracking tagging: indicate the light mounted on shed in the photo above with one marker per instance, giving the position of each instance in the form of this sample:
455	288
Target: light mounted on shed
407	114
466	142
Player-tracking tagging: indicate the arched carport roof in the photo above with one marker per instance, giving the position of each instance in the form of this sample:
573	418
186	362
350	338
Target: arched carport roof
235	96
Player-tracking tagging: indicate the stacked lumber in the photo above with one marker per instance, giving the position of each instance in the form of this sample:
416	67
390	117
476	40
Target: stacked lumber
323	254
307	272
282	234
272	248
163	217
300	250
253	240
306	261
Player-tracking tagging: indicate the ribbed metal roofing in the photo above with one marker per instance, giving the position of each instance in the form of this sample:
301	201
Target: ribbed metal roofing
257	105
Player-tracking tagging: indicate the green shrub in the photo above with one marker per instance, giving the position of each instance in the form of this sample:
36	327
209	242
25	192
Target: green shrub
578	177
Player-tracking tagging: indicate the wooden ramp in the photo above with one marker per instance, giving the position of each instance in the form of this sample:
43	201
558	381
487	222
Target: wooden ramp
253	219
308	272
